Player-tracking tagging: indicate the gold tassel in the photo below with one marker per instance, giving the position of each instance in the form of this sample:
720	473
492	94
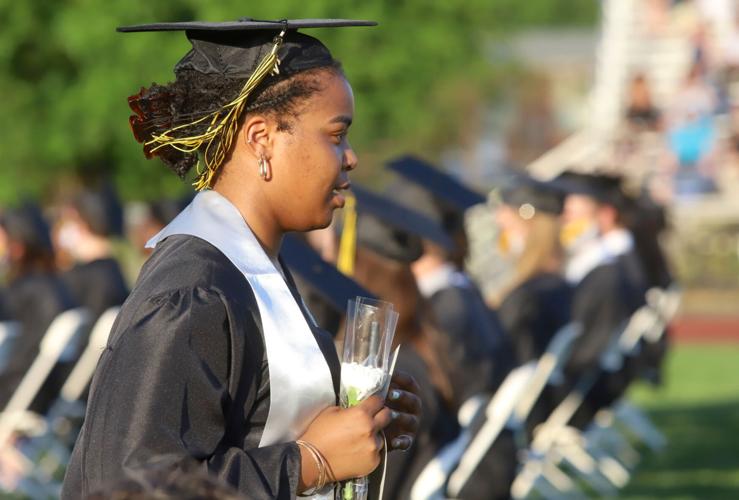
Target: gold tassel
348	243
223	124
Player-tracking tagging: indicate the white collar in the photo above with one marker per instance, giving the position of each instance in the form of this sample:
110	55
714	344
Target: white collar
445	276
599	251
618	241
212	217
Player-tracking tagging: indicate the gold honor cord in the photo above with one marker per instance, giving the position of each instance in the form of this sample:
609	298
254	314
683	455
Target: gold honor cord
223	124
348	243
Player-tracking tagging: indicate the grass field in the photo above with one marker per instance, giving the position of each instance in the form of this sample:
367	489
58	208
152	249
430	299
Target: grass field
698	410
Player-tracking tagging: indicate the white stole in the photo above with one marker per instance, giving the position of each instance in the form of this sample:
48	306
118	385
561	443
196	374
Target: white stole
599	251
299	377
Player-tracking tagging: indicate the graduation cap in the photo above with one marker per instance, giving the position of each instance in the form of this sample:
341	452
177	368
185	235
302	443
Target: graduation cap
440	184
101	210
247	49
26	224
603	188
234	49
529	195
328	282
394	230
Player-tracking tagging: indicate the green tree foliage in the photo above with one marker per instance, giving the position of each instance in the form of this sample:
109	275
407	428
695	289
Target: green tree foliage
65	74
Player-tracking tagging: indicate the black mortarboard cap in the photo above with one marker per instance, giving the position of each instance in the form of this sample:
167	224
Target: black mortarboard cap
327	281
440	184
26	224
604	188
101	210
235	48
544	196
394	230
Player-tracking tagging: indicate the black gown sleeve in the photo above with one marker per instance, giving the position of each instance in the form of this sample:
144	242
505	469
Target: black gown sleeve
601	304
177	379
518	314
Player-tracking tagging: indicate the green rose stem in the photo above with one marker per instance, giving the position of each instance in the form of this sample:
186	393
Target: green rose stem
352	396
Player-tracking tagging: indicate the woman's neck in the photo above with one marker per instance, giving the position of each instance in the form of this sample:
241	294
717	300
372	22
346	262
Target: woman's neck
257	217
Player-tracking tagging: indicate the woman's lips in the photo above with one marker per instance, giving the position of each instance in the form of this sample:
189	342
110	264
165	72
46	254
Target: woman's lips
337	198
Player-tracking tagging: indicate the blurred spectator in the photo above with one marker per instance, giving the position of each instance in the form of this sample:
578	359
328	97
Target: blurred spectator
34	295
694	98
641	113
656	15
692	135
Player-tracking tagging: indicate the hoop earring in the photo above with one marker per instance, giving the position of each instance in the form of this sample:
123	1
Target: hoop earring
265	172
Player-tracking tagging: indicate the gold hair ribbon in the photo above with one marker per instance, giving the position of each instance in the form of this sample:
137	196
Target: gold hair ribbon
223	124
348	243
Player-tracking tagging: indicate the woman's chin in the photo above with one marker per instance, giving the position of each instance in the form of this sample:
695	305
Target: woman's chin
320	222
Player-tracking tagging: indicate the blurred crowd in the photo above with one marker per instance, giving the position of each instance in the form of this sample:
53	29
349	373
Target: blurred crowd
59	258
686	145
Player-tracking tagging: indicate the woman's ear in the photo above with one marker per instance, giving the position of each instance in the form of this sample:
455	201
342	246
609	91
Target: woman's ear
257	136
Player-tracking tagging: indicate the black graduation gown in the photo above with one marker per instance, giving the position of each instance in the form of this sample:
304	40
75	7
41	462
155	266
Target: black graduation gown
533	312
479	352
603	302
97	285
185	374
437	427
481	356
34	301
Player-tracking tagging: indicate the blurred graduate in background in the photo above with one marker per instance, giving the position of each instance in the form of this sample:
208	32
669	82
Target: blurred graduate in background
84	232
389	239
480	352
607	276
33	297
537	302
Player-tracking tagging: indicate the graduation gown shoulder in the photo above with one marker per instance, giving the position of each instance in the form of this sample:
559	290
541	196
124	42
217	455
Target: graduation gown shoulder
184	374
533	312
479	349
602	302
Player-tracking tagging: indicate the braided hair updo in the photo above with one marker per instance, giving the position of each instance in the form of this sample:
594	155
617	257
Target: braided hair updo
194	95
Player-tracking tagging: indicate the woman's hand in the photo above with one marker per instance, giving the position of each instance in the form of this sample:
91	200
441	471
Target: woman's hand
348	438
403	399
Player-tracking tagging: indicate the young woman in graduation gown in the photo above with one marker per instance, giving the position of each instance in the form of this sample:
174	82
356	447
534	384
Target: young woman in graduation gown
213	356
538	300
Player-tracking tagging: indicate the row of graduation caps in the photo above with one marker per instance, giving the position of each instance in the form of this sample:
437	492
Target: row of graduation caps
600	454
